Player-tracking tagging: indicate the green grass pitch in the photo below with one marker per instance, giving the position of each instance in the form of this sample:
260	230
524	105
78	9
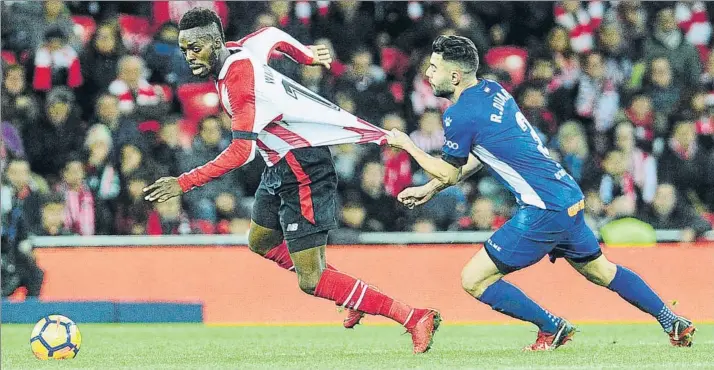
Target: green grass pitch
192	346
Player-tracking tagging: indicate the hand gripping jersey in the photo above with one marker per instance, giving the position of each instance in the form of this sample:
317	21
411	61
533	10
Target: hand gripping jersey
272	113
487	122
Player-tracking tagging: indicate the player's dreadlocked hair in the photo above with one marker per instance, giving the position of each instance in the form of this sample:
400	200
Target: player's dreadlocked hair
457	49
201	17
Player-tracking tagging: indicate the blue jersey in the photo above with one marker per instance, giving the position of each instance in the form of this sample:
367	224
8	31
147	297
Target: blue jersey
487	123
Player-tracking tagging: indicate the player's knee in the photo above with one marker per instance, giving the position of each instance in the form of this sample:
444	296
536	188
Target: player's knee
600	272
261	242
308	281
474	284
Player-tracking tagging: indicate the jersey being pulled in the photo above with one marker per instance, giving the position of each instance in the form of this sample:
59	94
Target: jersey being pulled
271	113
487	122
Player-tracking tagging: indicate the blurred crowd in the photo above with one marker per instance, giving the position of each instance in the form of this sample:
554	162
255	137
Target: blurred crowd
97	103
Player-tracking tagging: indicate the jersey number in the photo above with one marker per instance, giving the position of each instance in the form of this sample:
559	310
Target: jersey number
526	126
293	89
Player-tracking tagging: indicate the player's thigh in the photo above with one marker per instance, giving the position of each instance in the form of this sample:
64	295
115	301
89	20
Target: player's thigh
265	230
479	273
582	250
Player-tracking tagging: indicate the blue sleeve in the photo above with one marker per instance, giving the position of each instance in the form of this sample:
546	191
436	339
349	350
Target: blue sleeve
458	134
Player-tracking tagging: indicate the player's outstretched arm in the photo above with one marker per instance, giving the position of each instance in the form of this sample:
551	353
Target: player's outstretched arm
441	170
263	41
418	195
238	153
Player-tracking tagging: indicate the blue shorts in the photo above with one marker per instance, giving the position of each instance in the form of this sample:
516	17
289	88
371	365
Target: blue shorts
533	232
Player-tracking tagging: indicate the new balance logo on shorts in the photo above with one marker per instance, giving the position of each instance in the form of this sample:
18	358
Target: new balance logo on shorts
292	227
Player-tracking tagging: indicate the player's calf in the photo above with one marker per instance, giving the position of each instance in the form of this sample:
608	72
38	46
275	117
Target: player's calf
632	288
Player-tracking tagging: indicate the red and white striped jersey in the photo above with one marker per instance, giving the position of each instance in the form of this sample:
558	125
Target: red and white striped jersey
270	112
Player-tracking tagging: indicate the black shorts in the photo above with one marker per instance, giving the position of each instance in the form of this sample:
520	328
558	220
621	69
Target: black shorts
298	195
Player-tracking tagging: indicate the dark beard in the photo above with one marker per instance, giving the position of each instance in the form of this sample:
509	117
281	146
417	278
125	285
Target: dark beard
213	63
443	94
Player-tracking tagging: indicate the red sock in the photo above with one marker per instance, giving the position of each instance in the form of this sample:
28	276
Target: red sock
281	256
352	293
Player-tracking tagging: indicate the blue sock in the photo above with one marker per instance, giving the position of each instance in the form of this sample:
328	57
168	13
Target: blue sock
633	289
509	300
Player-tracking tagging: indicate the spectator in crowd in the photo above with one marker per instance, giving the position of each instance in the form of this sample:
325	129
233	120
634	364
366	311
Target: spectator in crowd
19	105
533	104
206	146
662	90
79	210
59	133
23	191
595	211
618	191
465	23
693	20
701	108
423	225
346	24
707	76
566	61
574	153
397	163
481	218
631	18
56	63
31	20
166	149
581	22
19	268
230	216
617	54
53	217
368	83
164	58
429	137
123	129
669	212
352	220
668	42
102	178
597	99
684	165
642	165
649	125
136	96
100	61
314	79
132	211
168	218
382	210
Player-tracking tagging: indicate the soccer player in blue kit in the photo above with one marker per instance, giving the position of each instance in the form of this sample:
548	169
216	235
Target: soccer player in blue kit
484	126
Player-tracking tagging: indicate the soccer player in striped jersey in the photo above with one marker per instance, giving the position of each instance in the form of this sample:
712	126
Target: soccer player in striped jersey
295	204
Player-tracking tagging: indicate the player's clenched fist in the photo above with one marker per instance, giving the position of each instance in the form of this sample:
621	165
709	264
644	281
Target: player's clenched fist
321	55
398	139
163	189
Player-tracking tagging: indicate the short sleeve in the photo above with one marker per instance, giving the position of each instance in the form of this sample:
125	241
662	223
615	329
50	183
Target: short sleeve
458	140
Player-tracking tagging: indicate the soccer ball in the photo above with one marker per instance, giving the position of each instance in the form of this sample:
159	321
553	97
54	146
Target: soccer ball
55	337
